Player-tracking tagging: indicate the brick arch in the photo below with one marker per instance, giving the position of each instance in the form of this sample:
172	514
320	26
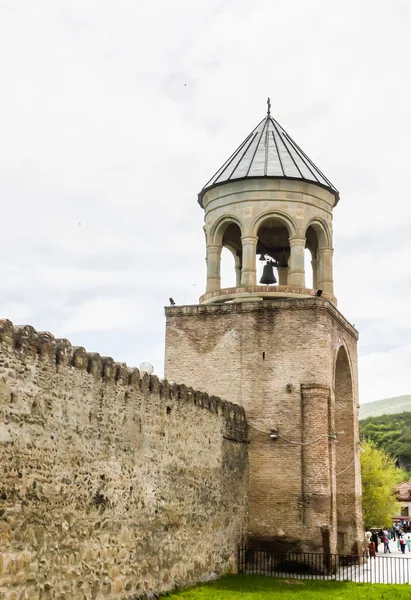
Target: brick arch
345	449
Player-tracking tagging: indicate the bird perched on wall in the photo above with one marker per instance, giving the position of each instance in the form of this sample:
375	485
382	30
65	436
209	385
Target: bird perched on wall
172	303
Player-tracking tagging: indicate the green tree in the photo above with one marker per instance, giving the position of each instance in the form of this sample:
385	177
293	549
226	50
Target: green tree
380	477
391	433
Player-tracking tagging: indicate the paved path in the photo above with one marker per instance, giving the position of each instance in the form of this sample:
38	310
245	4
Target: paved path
394	550
391	567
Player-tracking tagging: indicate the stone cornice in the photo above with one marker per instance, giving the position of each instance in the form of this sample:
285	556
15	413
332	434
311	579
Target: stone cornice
267	304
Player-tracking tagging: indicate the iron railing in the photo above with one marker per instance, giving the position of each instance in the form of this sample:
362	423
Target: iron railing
310	565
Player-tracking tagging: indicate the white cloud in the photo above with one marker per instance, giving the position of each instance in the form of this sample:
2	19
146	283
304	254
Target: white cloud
100	314
15	311
384	372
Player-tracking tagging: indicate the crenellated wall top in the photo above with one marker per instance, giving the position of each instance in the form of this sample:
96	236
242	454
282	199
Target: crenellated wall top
29	344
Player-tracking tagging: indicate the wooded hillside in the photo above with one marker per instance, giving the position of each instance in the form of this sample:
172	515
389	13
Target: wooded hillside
391	433
387	406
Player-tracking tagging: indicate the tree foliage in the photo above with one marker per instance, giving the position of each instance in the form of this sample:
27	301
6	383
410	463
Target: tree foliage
380	477
391	433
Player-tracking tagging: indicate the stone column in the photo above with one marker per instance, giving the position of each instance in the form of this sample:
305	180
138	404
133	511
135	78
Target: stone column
296	274
325	270
213	268
282	275
249	271
314	264
318	467
238	271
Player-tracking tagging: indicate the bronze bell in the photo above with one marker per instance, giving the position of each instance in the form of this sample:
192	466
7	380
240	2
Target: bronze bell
268	277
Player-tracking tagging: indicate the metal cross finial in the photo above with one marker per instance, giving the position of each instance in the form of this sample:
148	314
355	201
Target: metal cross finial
268	107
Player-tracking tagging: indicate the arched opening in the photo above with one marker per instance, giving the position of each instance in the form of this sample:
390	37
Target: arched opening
311	258
346	459
231	253
231	242
273	246
223	241
228	269
308	269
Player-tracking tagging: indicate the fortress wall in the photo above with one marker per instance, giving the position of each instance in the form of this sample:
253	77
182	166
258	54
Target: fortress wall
112	485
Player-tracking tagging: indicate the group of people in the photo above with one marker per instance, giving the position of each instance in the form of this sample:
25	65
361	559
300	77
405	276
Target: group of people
374	538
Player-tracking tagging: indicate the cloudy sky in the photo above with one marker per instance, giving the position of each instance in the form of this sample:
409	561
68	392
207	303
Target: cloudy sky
114	114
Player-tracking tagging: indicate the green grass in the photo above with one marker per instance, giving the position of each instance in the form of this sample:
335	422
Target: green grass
254	587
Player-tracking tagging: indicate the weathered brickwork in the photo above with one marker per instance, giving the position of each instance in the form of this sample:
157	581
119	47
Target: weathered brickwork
112	485
278	359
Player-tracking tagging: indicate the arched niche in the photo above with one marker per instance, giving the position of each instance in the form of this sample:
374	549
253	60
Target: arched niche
273	240
345	449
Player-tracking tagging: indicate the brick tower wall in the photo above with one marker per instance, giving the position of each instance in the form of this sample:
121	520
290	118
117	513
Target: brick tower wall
277	359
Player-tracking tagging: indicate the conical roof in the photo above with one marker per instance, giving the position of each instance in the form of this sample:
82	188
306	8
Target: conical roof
268	151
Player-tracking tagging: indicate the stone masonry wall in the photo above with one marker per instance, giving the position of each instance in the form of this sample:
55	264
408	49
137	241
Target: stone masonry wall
112	485
277	359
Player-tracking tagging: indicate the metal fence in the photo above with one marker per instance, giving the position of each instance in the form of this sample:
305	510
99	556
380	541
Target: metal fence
332	567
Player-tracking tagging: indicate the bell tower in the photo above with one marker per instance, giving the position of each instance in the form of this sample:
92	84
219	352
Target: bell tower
278	346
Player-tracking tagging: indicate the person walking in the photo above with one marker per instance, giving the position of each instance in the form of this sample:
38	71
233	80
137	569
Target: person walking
409	542
374	538
402	543
387	544
371	549
367	537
